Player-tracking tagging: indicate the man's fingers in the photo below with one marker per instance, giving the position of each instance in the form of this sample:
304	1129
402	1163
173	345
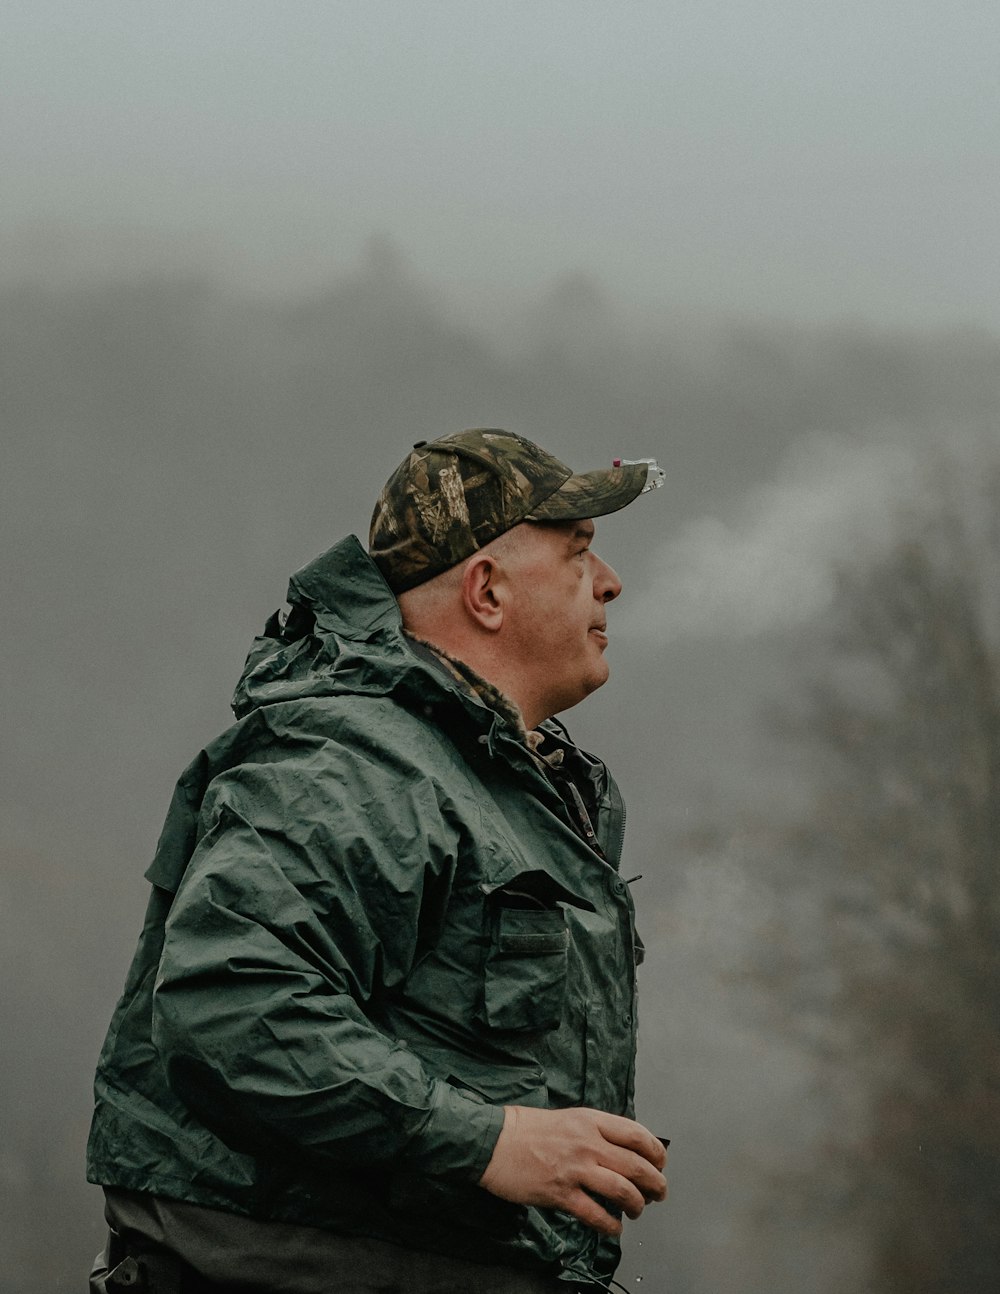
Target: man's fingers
617	1190
633	1136
586	1208
626	1163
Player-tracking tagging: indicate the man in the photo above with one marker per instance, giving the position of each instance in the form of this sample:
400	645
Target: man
379	1031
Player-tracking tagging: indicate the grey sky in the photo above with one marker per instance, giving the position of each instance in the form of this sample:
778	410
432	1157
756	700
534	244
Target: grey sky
807	161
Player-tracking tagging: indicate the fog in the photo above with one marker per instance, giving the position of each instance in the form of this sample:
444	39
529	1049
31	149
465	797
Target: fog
249	260
175	452
831	162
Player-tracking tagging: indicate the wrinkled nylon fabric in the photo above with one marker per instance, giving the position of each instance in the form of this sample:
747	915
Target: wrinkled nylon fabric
373	922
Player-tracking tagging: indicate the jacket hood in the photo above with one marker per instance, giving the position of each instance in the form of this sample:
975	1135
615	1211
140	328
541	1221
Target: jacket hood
343	636
345	591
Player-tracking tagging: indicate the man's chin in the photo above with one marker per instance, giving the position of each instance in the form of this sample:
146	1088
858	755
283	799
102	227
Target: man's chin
568	702
598	678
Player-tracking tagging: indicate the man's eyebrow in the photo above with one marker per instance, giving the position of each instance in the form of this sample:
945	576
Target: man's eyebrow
584	530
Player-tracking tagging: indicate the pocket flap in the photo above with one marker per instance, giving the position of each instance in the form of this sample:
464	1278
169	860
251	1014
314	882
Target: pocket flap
532	933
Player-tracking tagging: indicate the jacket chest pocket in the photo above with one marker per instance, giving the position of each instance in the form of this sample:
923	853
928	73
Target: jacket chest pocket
525	977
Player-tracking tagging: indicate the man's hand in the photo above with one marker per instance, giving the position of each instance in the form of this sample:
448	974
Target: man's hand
553	1158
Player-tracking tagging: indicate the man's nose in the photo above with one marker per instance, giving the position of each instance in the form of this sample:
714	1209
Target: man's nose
607	585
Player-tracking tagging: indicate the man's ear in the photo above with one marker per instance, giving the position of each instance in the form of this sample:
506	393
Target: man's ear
482	594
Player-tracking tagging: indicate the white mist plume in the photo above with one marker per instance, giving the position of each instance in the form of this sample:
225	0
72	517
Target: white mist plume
772	566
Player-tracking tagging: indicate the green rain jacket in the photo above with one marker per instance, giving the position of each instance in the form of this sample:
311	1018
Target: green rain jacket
374	921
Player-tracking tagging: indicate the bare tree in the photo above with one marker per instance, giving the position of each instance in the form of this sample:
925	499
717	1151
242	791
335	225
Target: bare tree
897	980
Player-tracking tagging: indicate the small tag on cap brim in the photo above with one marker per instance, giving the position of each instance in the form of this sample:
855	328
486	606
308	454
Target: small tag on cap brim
655	475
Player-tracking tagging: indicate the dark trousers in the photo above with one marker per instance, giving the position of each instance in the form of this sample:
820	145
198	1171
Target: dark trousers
161	1246
137	1269
130	1264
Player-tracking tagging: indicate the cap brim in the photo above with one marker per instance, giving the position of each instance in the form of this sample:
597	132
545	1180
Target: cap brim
593	494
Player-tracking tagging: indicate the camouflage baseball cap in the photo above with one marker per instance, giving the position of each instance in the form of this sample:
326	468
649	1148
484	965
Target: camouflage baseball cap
450	497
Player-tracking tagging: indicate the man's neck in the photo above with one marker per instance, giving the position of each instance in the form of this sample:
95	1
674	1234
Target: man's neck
472	681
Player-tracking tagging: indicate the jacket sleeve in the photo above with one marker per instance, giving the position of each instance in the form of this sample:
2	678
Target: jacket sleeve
318	874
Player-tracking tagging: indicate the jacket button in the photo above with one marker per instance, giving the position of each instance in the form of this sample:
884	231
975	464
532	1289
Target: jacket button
618	885
626	1017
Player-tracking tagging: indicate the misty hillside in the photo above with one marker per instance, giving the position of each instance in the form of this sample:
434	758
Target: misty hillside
173	451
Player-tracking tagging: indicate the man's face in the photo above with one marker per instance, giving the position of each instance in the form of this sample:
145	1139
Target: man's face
557	619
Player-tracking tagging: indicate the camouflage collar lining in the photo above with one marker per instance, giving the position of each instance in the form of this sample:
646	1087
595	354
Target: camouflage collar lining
475	684
496	700
554	759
